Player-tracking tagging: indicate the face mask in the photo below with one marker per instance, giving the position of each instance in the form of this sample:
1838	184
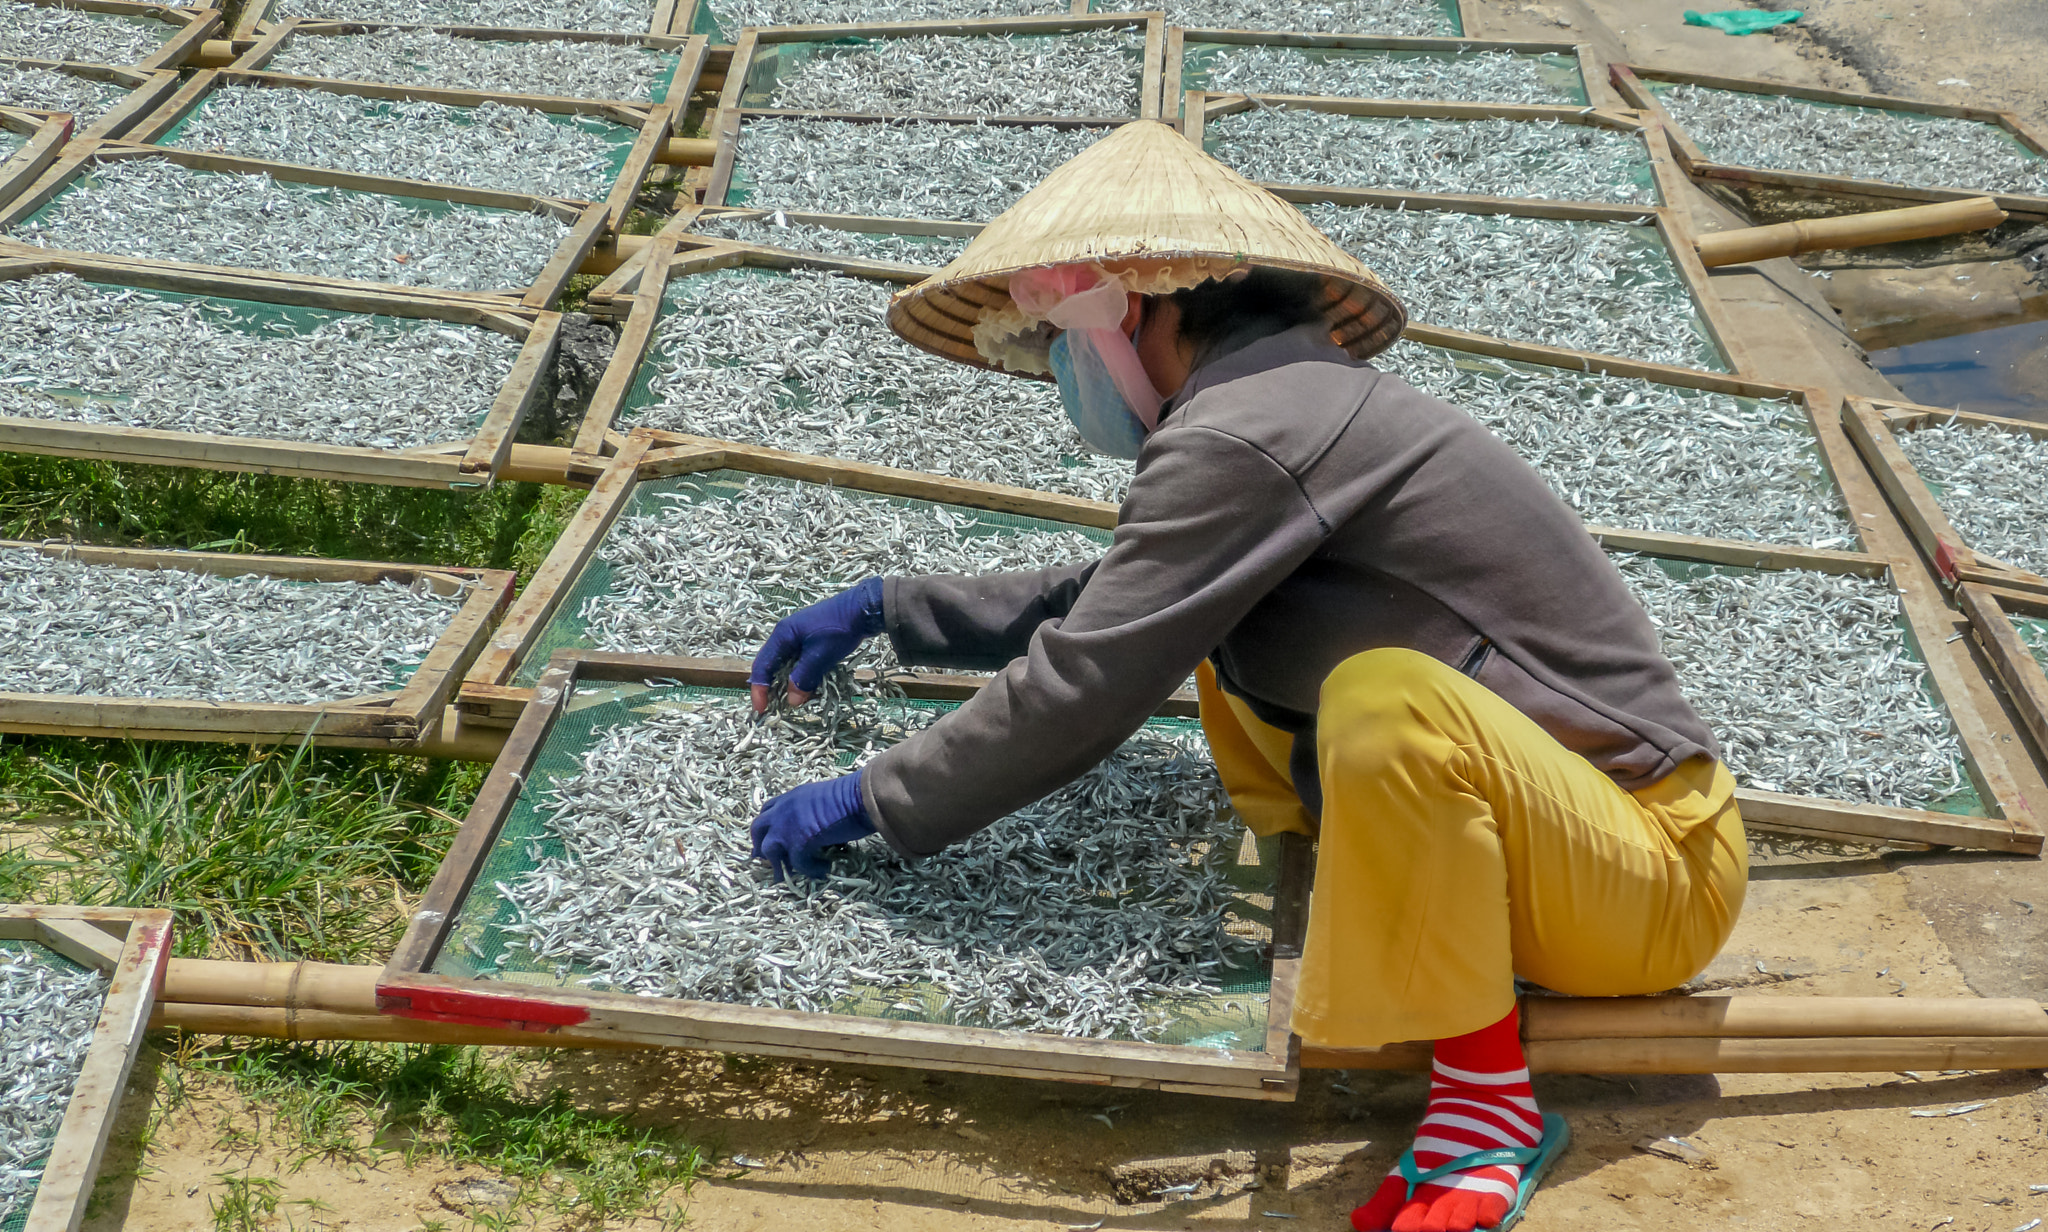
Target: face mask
1102	383
1091	397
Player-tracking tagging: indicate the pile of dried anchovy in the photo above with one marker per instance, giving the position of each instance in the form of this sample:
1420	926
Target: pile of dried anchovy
710	575
84	353
1086	914
561	67
1866	143
154	208
804	360
733	14
1643	456
38	32
1806	680
1495	158
46	89
621	16
1416	17
513	149
900	169
1485	76
1993	487
1608	287
47	1018
778	232
1086	73
108	631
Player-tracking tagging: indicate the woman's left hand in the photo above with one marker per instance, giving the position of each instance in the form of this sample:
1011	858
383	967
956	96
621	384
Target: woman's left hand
795	827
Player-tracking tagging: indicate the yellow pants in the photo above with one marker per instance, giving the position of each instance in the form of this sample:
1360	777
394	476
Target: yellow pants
1460	845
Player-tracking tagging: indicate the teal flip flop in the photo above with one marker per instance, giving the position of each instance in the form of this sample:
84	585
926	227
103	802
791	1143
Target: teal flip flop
1534	1162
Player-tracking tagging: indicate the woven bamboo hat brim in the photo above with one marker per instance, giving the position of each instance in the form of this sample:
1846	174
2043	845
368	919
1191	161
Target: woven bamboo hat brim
1146	204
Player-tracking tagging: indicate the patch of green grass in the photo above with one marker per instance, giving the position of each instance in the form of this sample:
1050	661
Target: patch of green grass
458	1105
269	853
502	527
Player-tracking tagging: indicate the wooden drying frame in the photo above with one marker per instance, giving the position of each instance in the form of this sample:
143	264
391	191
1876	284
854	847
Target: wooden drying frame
1874	425
193	27
649	279
458	464
1990	610
586	222
751	39
255	24
1200	106
489	698
147	89
654	122
389	720
634	290
1631	81
409	989
1178	37
729	120
1670	228
46	133
132	946
690	52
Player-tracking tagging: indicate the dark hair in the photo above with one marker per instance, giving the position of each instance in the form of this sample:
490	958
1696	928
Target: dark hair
1263	302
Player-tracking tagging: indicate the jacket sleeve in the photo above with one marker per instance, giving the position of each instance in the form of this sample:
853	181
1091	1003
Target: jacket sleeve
1210	526
975	624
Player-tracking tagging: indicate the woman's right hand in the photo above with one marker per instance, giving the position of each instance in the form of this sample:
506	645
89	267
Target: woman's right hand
818	638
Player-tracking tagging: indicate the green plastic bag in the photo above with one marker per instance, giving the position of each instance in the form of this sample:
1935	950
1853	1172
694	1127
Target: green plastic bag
1743	21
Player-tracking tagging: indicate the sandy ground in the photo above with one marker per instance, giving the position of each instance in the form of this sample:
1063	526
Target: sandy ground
852	1147
871	1148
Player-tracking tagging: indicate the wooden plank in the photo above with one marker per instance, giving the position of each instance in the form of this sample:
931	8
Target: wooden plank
739	72
433	685
725	129
1699	284
623	369
639	161
1149	102
1769	809
1643	99
2019	670
2024	207
561	267
200	25
550	583
622	281
67	1178
299	459
1709	1055
36	156
470	307
1170	88
1743	554
490	448
81	941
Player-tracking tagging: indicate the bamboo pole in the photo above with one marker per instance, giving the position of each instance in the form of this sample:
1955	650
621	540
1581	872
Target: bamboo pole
688	152
1621	1035
213	53
1917	222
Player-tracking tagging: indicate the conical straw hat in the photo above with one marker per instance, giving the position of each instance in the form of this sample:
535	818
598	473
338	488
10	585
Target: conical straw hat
1147	205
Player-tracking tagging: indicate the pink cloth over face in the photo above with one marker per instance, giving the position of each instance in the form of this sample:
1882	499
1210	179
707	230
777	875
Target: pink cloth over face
1091	304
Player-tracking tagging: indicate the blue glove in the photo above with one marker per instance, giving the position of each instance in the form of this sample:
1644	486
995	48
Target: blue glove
795	827
818	637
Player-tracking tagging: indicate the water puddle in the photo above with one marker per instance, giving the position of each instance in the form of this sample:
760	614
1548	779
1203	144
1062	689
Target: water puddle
2002	371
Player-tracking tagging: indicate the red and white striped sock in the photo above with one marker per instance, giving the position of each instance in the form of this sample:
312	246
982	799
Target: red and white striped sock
1479	1099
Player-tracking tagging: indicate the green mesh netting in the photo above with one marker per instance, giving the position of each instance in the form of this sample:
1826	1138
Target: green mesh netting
567	630
2034	636
42	955
774	61
618	138
1966	801
256	319
1561	72
1233	1017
